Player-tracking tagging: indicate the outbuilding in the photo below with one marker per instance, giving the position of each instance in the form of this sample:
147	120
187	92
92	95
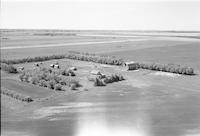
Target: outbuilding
57	66
52	65
131	65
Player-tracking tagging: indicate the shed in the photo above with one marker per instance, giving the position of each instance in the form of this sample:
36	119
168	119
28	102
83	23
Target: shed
95	72
52	65
57	66
132	65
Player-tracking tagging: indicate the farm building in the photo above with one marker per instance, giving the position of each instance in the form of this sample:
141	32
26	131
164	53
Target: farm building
52	65
57	66
95	72
131	65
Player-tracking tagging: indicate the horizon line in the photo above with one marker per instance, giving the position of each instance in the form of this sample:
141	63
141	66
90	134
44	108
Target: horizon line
149	30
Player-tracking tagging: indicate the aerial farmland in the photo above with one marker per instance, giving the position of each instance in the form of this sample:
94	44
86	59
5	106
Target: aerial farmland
76	83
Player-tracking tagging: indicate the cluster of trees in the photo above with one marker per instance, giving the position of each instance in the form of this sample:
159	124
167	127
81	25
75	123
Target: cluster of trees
16	95
8	68
47	78
113	78
103	80
172	68
68	72
70	55
96	59
33	59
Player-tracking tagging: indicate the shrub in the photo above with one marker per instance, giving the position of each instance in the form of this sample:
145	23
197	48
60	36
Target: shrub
172	68
75	82
34	80
108	80
72	73
9	68
21	77
68	73
190	71
63	82
73	87
113	78
28	99
51	84
24	77
70	55
121	77
42	83
58	87
63	72
99	82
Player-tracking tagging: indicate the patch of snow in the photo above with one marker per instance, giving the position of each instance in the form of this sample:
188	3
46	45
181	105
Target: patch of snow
106	66
66	107
159	73
77	105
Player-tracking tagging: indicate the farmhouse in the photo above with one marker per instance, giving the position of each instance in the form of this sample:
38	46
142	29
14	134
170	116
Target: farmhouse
131	65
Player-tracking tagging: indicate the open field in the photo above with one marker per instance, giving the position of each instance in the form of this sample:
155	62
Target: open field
146	103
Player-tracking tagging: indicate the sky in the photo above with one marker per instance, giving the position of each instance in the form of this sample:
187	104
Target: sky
101	14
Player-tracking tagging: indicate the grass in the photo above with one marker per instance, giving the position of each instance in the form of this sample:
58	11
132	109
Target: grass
16	95
28	89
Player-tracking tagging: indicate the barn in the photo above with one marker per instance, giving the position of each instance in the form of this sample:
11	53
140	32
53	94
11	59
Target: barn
132	65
